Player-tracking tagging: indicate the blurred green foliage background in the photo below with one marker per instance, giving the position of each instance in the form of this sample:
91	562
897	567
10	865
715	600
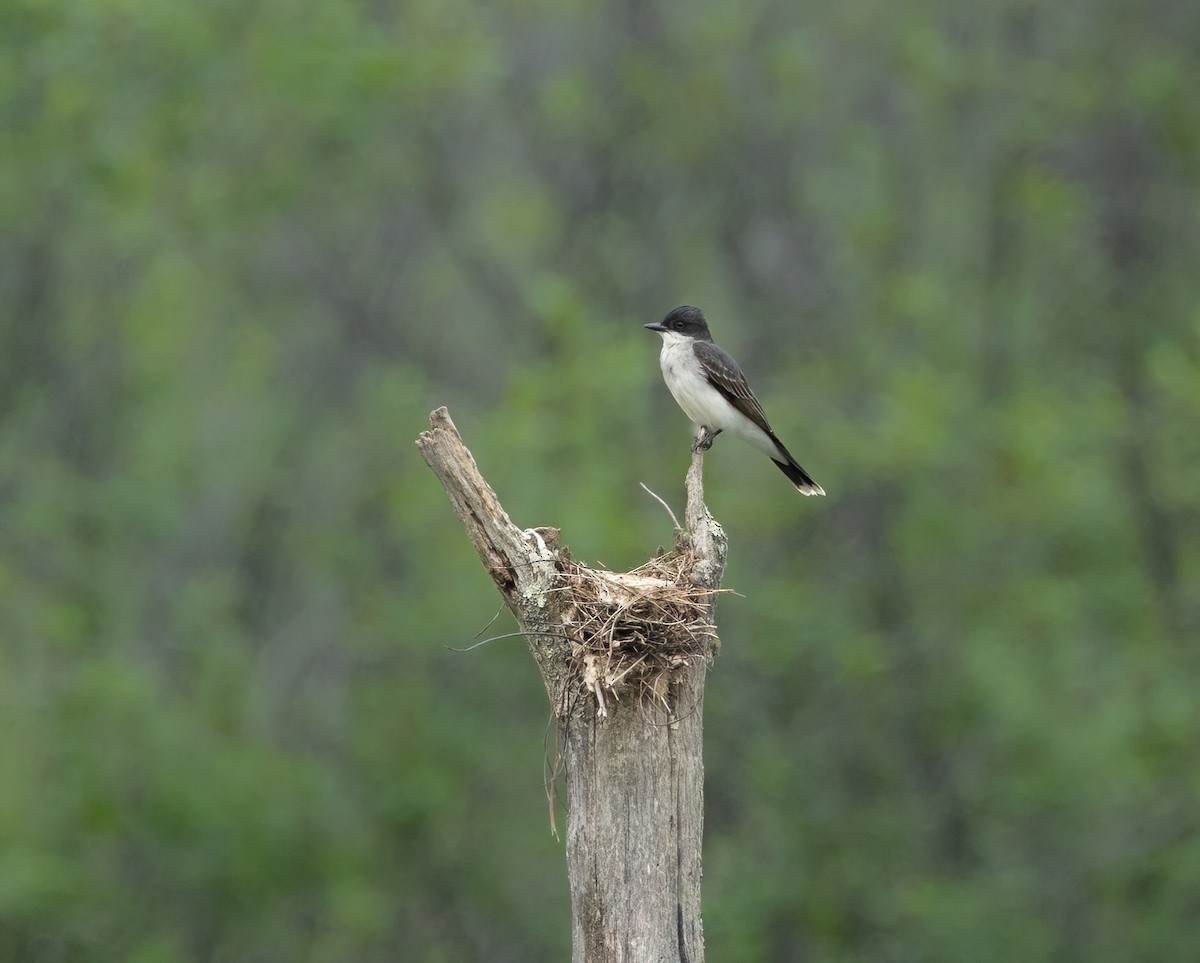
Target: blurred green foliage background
245	247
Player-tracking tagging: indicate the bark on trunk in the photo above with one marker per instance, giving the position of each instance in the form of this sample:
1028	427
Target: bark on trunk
623	657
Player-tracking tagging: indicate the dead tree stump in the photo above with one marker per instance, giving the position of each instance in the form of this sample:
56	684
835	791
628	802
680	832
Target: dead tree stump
623	656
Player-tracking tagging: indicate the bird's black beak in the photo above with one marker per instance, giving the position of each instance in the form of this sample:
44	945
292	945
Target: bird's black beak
656	326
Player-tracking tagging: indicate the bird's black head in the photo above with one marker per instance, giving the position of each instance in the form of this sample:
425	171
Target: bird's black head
684	320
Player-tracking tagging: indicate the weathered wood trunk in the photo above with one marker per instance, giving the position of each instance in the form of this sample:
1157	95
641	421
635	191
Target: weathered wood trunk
635	790
623	657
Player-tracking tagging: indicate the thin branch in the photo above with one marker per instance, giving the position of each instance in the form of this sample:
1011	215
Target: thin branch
663	503
708	538
506	635
491	621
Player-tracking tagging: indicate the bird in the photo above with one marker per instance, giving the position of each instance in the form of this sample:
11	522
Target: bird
712	391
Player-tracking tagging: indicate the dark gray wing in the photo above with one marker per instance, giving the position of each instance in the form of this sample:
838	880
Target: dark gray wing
724	374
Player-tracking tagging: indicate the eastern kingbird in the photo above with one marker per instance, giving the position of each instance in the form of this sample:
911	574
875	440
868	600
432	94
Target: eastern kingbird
712	391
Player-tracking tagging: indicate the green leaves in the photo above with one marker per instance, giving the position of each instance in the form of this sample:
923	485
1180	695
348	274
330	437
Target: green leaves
246	249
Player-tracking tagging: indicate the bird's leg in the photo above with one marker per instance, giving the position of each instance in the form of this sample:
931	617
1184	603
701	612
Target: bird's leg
704	438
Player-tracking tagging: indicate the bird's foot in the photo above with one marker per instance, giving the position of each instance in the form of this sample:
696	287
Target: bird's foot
704	438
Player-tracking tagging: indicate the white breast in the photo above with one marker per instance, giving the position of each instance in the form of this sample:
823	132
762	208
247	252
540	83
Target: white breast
685	378
700	401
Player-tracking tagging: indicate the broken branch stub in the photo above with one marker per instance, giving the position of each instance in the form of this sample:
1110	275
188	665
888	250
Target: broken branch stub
610	634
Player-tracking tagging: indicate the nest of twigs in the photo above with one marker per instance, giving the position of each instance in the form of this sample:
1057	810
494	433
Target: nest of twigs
632	632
